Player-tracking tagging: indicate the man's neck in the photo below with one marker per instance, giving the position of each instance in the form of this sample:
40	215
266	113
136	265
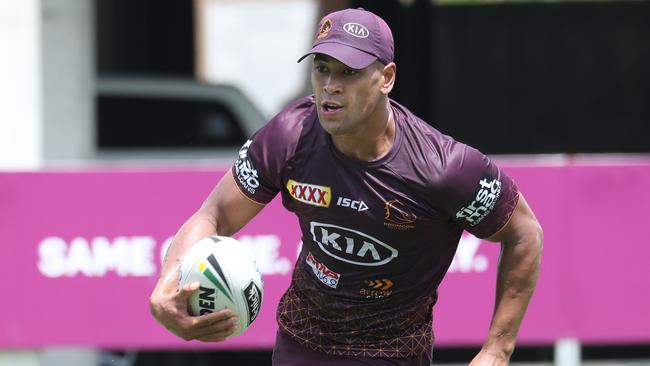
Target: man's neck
372	142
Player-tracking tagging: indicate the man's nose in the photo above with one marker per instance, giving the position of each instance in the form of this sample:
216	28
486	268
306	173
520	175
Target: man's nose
332	85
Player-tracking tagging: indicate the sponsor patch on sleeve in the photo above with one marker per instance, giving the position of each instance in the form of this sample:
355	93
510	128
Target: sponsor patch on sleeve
487	196
245	170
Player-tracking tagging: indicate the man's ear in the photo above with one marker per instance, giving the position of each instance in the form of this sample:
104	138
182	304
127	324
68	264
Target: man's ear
389	73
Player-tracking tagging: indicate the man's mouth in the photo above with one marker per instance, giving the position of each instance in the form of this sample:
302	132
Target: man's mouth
331	107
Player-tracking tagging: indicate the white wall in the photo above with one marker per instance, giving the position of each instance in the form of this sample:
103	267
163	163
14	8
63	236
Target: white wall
254	45
46	82
20	85
68	80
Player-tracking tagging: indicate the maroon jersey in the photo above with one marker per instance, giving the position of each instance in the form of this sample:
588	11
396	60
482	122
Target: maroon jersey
377	237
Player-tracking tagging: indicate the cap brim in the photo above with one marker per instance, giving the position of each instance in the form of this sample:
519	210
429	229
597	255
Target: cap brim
350	56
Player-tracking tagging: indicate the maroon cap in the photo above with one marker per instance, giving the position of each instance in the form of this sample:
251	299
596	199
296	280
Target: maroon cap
356	37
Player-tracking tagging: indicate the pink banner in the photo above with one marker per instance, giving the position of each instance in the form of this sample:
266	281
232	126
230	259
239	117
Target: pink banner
82	253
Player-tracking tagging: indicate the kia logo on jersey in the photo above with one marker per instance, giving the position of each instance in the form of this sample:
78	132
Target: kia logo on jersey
310	194
351	246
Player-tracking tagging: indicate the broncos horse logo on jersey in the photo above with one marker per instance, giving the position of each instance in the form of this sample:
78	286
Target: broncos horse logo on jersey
398	216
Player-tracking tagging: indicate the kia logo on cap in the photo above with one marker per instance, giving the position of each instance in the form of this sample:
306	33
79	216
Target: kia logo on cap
356	30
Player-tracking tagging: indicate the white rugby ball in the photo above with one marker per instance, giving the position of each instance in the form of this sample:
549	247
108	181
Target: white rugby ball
228	277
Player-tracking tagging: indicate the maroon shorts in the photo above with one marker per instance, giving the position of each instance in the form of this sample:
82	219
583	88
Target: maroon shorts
288	352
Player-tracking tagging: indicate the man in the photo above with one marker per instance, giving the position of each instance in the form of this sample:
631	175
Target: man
382	199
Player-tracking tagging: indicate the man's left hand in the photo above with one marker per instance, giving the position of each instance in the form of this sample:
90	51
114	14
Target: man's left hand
486	358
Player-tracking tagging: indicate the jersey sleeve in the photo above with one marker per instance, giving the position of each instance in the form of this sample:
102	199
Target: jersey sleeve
479	196
262	159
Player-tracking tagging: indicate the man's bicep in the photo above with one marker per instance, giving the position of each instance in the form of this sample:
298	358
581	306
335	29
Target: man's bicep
230	208
521	224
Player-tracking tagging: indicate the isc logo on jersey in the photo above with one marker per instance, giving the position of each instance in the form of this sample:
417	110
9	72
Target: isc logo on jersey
310	194
351	246
484	202
246	172
324	274
353	204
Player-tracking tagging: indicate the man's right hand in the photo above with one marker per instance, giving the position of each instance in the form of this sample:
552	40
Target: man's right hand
225	208
168	305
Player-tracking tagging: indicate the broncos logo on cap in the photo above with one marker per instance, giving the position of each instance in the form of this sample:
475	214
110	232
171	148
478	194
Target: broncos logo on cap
325	28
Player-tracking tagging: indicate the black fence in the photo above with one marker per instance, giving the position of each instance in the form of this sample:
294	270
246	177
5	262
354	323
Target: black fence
527	78
507	78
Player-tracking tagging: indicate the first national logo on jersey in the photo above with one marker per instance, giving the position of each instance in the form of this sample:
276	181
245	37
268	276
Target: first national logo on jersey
486	198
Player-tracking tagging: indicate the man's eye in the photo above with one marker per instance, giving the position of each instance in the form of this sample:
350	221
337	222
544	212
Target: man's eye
320	68
350	72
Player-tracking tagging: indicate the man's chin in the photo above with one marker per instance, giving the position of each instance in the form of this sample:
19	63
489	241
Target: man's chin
329	124
333	127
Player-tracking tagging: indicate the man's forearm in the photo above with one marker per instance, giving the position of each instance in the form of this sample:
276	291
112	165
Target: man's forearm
194	229
517	276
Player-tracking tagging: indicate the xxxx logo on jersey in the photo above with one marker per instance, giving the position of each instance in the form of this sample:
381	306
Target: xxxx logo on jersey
310	194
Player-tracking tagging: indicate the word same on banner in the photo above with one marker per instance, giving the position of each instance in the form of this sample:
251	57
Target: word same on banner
135	256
